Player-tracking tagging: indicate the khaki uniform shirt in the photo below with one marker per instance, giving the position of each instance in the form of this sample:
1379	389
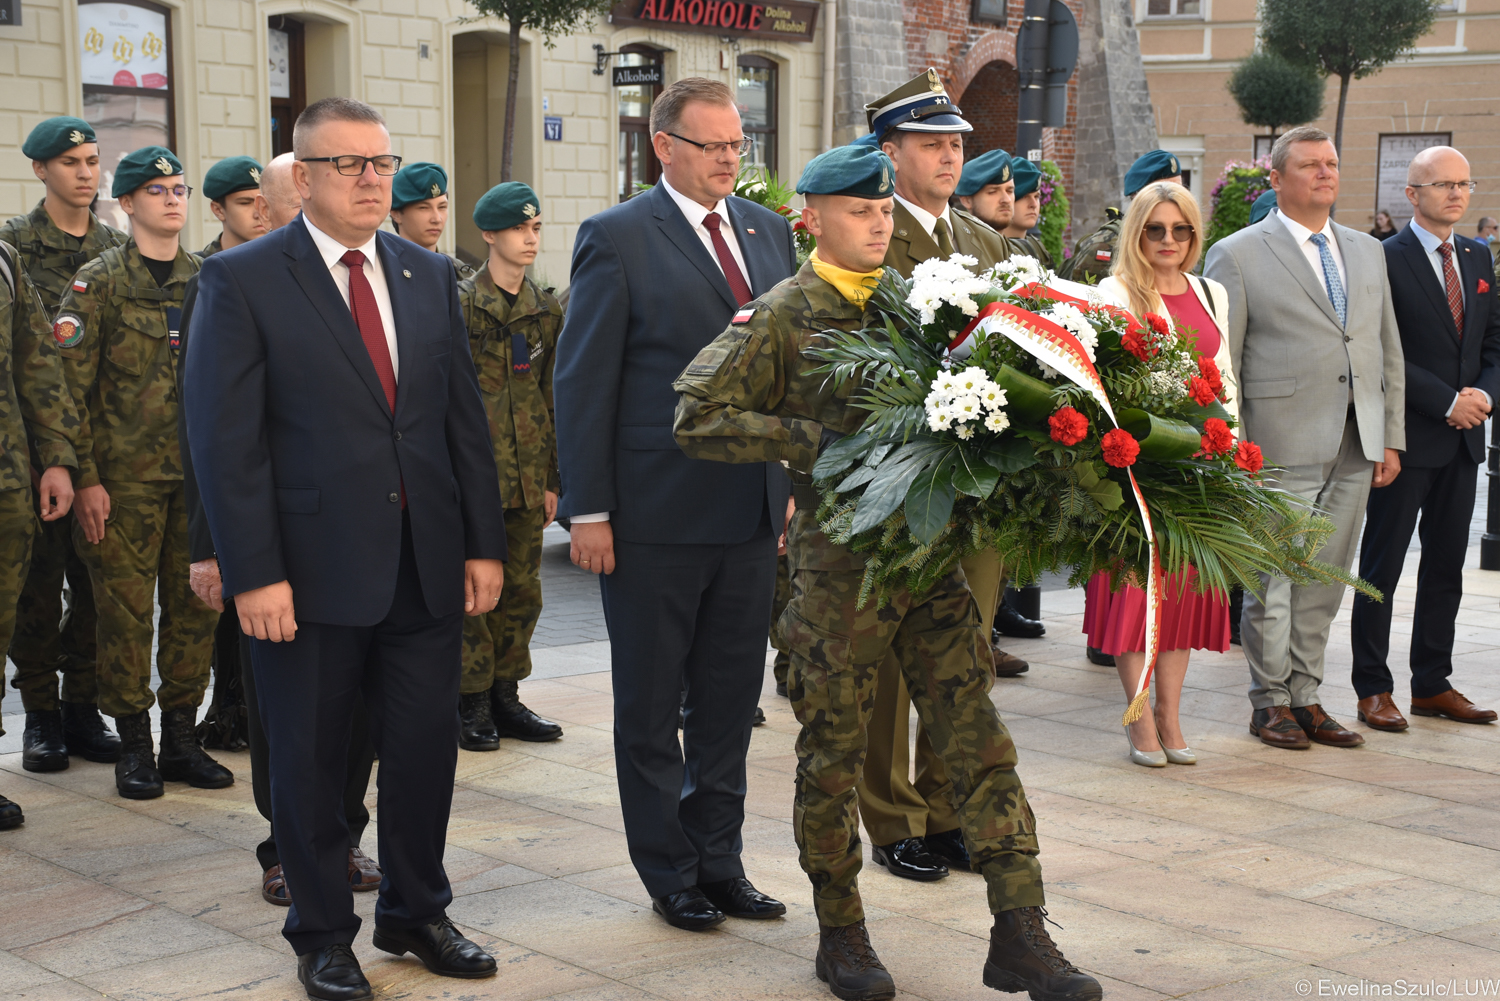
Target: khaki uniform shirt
911	244
50	256
37	416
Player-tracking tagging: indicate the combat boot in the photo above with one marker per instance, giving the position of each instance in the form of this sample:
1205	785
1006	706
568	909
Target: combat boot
476	724
135	773
512	719
42	747
86	735
1023	957
848	965
183	758
10	814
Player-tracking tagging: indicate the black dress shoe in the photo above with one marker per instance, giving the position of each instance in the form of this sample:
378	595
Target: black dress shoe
136	776
10	814
759	719
781	689
86	735
1009	622
42	746
476	723
333	974
910	859
512	719
182	758
948	848
689	909
738	899
441	947
1097	656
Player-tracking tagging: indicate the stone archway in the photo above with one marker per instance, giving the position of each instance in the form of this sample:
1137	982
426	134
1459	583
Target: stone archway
990	103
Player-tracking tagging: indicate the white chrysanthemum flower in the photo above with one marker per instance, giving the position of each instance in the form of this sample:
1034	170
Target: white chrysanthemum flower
1072	319
992	397
937	282
971	380
1048	372
964	432
996	422
937	420
966	408
945	383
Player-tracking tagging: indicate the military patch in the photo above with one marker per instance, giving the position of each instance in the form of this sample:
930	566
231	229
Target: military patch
520	355
744	315
536	352
1102	255
174	327
67	330
79	285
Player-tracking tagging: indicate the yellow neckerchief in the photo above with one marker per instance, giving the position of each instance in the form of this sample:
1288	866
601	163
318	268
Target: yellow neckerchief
855	286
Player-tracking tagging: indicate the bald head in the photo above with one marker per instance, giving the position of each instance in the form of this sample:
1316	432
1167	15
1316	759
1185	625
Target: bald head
1437	185
1437	163
280	193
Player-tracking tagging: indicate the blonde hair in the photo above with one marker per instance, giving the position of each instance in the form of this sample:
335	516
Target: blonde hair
1130	264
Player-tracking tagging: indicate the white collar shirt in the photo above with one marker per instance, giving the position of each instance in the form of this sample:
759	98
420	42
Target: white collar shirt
1302	236
926	219
332	251
695	214
1430	244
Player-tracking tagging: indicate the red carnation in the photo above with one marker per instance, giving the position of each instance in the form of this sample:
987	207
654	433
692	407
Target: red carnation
1158	324
1120	449
1217	438
1201	392
1248	457
1209	369
1134	341
1069	427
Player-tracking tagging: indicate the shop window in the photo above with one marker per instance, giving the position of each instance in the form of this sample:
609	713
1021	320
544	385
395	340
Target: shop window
637	164
285	45
1174	8
988	12
125	58
755	93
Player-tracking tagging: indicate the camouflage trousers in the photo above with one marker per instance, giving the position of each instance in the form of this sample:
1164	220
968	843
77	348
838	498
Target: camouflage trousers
144	556
778	605
497	645
50	638
18	524
836	652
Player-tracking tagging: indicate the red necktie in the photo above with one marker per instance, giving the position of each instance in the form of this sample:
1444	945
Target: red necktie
371	330
737	283
1455	294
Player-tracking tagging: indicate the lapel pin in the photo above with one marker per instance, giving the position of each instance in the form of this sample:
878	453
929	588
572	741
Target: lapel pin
406	274
750	231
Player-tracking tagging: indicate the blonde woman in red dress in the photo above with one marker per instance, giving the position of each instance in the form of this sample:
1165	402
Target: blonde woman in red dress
1161	239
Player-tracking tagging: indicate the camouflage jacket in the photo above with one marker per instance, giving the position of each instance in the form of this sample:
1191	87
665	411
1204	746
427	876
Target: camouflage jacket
1032	246
753	395
47	253
119	338
911	244
35	406
214	246
461	270
1094	254
519	403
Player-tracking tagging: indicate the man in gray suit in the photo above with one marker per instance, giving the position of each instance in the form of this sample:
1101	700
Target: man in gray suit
1317	355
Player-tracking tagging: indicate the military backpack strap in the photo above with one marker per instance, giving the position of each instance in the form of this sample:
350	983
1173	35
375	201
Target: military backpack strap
8	268
154	294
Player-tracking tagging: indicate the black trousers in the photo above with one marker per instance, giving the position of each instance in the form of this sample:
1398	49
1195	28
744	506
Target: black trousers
359	761
407	668
687	629
1444	498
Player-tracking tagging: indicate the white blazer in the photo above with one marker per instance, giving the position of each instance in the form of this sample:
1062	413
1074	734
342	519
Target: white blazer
1215	301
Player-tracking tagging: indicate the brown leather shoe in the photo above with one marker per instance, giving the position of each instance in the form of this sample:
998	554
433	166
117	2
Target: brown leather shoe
364	872
273	888
1275	726
1324	728
1452	705
1008	665
1380	712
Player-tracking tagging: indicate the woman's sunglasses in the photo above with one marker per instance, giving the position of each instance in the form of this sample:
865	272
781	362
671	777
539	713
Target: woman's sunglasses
1157	232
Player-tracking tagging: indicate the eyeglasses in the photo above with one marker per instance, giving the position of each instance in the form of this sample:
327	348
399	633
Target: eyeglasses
1447	187
1157	232
177	190
351	165
740	148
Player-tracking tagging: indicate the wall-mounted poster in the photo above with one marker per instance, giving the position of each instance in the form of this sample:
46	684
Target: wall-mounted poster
1396	153
123	45
279	47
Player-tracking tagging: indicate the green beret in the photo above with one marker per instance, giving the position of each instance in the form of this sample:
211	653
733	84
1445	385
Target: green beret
417	182
1157	165
506	205
1262	206
56	136
993	167
228	176
869	139
1026	174
145	166
858	170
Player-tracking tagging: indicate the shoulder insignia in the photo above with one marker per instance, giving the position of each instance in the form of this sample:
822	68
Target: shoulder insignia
1102	255
744	316
79	285
67	330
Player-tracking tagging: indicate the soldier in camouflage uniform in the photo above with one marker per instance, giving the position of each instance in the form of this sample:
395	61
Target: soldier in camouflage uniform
232	187
783	662
513	326
1027	211
36	410
1094	254
752	395
419	209
118	329
55	239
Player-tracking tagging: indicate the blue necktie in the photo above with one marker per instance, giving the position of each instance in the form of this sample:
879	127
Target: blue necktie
1331	276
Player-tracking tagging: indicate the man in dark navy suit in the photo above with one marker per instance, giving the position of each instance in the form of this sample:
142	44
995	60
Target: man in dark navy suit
686	548
1442	287
343	457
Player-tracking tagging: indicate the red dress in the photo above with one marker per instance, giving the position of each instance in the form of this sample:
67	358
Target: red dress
1116	622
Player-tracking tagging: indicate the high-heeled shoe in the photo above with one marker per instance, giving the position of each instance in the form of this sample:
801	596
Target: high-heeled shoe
1150	759
1180	755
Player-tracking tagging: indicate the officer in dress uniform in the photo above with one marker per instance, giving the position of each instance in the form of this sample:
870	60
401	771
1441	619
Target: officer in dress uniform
753	395
513	326
987	190
1093	255
233	189
1027	212
118	328
58	236
419	209
36	410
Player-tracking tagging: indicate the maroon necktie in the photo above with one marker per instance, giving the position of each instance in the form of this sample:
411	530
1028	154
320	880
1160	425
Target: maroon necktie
737	283
1455	294
371	330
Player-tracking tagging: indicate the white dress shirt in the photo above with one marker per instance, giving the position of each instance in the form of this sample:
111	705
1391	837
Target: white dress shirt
332	250
1302	236
1430	243
926	219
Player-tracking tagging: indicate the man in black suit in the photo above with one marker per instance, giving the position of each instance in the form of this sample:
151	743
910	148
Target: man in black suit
1442	287
376	510
686	548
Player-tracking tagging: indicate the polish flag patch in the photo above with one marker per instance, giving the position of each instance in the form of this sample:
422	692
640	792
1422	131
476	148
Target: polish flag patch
80	286
744	316
1102	255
